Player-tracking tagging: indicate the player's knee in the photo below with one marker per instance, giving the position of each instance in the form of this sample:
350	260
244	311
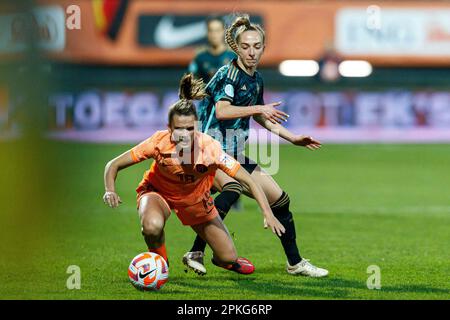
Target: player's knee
229	195
281	206
152	227
233	187
281	211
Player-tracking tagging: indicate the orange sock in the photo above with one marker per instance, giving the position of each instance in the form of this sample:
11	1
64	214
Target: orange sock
161	251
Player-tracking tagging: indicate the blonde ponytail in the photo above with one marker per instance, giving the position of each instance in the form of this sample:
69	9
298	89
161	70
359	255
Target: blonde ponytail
190	88
241	23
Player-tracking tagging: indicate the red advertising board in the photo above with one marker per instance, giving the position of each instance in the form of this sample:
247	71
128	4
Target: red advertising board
390	33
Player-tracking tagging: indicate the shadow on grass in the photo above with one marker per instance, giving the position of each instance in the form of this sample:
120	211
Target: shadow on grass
339	282
416	289
166	290
240	287
285	288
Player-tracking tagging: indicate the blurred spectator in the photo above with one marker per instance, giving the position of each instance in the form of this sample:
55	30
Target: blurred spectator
329	65
208	60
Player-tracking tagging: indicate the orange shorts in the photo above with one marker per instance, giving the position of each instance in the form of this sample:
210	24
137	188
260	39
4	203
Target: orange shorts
201	212
198	213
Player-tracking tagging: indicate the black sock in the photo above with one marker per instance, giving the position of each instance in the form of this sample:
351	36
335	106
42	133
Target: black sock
229	195
223	202
281	211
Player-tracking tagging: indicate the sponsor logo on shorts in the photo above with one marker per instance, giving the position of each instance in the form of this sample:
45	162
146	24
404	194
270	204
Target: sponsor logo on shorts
201	168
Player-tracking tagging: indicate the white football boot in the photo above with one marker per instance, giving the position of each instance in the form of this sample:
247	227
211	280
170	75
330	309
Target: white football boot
305	268
194	261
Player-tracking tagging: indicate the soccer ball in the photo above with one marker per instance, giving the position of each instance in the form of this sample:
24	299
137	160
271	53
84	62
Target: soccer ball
148	271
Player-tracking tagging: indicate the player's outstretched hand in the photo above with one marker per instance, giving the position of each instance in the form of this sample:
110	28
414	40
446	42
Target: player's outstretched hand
112	199
269	112
275	225
307	142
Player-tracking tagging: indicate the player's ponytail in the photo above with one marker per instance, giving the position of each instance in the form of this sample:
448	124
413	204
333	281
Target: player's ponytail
190	89
241	23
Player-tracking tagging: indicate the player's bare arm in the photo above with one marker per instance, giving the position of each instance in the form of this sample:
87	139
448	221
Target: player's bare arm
269	219
111	198
226	111
298	140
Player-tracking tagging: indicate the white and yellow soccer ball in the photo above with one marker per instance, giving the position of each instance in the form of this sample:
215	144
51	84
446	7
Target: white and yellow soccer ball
148	271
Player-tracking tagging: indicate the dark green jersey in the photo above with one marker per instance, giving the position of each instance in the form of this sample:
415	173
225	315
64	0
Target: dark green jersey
232	84
205	64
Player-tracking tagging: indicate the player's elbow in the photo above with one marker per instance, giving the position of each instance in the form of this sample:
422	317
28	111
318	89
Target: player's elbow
220	115
112	165
109	165
224	111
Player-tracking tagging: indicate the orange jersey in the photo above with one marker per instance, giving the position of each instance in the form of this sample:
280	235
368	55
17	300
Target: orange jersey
182	184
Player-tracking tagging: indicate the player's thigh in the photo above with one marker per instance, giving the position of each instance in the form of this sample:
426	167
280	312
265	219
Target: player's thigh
215	233
153	210
270	187
221	179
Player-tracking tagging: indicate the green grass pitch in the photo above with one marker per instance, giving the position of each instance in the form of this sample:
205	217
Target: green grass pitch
354	206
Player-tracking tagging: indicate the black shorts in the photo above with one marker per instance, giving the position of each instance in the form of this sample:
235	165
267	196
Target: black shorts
248	164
